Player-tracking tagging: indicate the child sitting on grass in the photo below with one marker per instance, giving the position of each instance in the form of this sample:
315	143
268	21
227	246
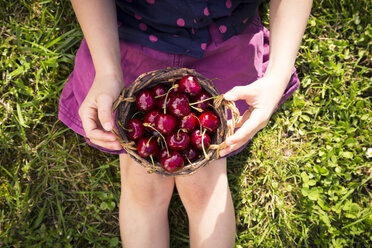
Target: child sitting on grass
218	38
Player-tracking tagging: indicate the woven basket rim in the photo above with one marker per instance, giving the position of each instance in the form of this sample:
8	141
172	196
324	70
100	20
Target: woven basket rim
124	105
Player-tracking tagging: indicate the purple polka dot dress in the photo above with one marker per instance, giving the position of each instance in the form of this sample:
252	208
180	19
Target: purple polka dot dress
219	39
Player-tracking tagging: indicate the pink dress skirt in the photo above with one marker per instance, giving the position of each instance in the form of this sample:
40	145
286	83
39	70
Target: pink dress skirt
238	61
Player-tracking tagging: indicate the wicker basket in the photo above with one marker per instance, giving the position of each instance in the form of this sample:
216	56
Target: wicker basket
125	108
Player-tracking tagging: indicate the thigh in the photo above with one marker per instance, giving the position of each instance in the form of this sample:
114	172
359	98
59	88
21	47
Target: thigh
196	189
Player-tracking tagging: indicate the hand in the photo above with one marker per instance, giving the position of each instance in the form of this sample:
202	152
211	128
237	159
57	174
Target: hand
262	96
96	111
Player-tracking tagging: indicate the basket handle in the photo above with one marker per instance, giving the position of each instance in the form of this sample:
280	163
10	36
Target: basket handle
235	115
115	105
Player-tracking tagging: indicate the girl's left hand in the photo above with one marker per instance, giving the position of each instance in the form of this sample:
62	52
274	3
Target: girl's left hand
262	96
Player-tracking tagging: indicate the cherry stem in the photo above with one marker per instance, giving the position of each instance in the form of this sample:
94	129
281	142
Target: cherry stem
188	160
197	109
148	142
210	98
205	153
121	125
160	95
178	133
138	112
166	97
153	163
165	142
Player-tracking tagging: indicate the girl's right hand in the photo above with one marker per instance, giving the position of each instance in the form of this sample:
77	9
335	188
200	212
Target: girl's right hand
96	111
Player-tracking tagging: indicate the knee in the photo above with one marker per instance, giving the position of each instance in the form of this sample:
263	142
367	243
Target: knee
194	197
147	194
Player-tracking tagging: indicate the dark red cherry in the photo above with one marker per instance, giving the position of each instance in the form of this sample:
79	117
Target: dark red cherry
188	123
190	153
209	120
146	101
162	154
173	162
160	103
174	89
197	139
135	129
150	118
159	90
179	105
203	103
165	123
178	141
147	146
189	85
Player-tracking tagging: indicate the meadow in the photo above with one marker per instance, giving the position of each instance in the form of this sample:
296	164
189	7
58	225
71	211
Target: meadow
303	181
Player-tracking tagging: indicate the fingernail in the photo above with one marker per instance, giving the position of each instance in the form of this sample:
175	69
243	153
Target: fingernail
107	126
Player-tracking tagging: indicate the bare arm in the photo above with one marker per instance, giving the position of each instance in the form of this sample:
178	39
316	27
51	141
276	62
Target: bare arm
288	19
98	22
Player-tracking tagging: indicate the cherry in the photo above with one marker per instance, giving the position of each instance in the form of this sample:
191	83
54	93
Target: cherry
159	90
188	123
178	141
179	105
202	103
135	129
165	123
162	154
190	153
150	118
172	162
160	103
198	141
146	101
147	147
209	121
189	85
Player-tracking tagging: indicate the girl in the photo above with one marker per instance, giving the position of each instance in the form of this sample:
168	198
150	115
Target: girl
218	38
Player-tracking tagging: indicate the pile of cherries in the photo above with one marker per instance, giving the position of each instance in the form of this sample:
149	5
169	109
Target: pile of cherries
176	123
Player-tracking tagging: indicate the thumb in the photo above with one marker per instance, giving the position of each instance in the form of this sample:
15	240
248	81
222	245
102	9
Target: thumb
237	93
104	105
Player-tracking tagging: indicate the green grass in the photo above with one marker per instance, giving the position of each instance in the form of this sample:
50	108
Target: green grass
304	180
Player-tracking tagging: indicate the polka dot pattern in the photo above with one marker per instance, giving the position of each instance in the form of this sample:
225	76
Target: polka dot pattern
143	26
153	38
206	11
228	4
180	22
137	16
182	31
223	29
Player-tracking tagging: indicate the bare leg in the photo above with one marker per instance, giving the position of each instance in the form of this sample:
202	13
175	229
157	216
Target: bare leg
144	202
207	199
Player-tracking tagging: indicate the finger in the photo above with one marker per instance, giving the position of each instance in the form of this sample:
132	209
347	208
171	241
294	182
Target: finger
229	149
245	117
105	116
89	120
100	134
112	145
238	93
241	119
247	130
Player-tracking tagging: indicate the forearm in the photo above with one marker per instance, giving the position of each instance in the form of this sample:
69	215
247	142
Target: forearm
97	19
288	19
